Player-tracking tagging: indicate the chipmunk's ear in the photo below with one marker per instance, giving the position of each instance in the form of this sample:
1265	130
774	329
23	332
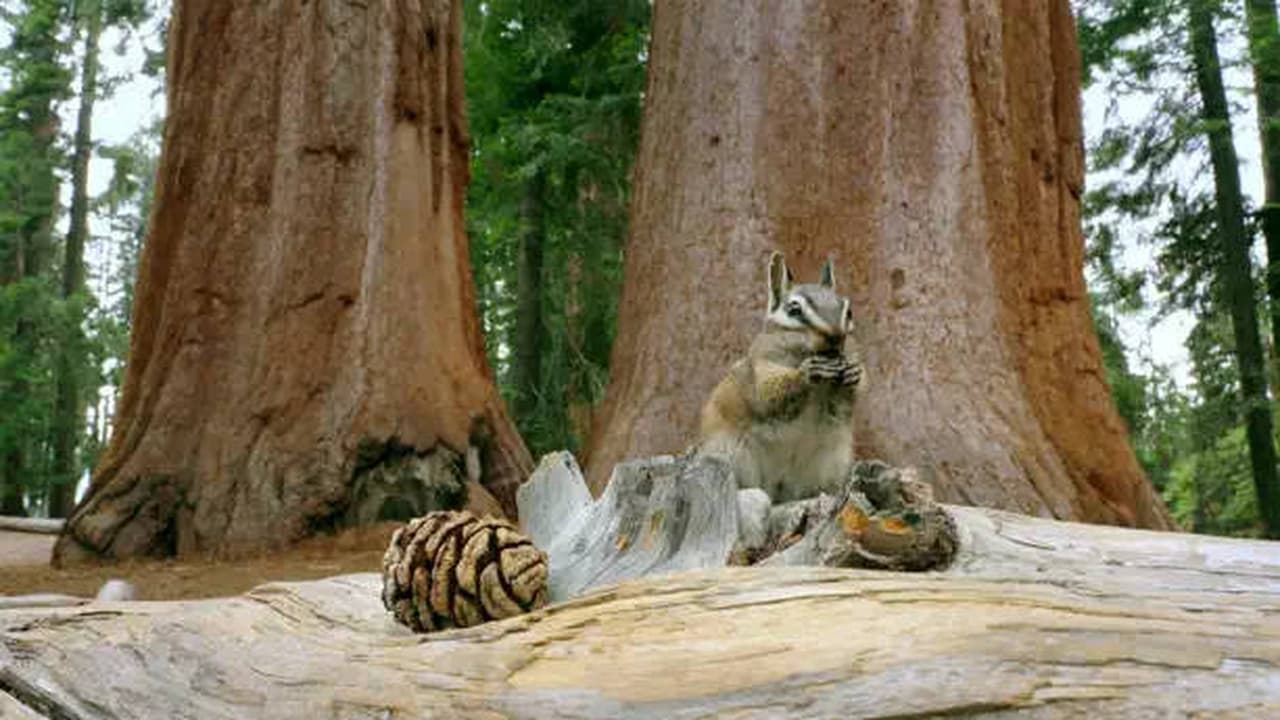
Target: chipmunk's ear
779	280
829	274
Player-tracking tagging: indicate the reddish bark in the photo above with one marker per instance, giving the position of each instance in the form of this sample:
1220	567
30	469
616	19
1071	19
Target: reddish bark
305	288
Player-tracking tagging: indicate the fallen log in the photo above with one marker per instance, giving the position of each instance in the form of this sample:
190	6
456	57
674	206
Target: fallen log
44	526
111	590
40	600
1044	618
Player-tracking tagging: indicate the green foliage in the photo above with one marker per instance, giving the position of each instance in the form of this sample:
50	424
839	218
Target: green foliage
46	323
126	205
1150	402
554	93
1129	389
38	324
1212	490
29	311
1106	30
32	65
31	317
1153	190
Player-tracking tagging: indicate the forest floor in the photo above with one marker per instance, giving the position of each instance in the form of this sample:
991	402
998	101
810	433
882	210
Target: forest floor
24	567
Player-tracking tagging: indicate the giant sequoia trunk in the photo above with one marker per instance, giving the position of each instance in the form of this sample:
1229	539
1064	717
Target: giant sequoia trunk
935	147
304	307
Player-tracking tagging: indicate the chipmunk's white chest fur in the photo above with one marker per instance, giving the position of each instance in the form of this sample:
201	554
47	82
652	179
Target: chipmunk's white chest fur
801	457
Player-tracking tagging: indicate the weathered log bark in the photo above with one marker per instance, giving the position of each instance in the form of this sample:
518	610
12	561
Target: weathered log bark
656	516
305	300
936	149
1049	619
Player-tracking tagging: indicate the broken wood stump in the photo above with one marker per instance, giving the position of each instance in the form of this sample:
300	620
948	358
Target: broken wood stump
670	514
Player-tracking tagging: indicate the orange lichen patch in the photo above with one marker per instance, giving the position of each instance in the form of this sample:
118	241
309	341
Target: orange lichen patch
852	520
894	525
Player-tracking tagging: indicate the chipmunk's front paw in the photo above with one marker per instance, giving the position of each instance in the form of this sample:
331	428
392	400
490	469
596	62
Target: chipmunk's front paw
851	374
819	368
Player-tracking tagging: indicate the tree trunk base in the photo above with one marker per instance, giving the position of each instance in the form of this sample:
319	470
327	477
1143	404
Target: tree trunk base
148	516
397	482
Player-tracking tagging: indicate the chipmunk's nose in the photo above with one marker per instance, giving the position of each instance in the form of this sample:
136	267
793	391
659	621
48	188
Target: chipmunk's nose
827	343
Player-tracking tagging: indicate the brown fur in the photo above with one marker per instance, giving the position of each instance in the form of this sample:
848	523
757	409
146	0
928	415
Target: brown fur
781	426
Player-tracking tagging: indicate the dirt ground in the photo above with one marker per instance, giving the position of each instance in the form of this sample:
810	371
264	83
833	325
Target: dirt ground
24	567
21	548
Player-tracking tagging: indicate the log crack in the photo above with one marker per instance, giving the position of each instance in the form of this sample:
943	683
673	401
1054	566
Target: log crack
34	698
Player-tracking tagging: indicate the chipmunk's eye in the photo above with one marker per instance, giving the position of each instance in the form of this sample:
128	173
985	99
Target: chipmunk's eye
793	309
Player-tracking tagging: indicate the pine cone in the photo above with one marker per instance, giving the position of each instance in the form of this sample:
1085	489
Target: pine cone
452	569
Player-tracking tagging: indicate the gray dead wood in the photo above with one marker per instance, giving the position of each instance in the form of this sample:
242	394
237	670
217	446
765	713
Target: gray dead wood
10	708
40	600
1032	618
114	590
669	514
44	526
660	515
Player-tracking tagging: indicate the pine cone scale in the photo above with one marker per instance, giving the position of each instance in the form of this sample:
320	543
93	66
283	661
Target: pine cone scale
496	598
525	571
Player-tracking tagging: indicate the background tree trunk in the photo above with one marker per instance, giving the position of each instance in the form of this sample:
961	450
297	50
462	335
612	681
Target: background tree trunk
305	304
68	420
1235	276
527	363
936	149
12	489
1264	57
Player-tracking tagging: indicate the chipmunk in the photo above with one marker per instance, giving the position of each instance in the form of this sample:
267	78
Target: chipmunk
783	417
